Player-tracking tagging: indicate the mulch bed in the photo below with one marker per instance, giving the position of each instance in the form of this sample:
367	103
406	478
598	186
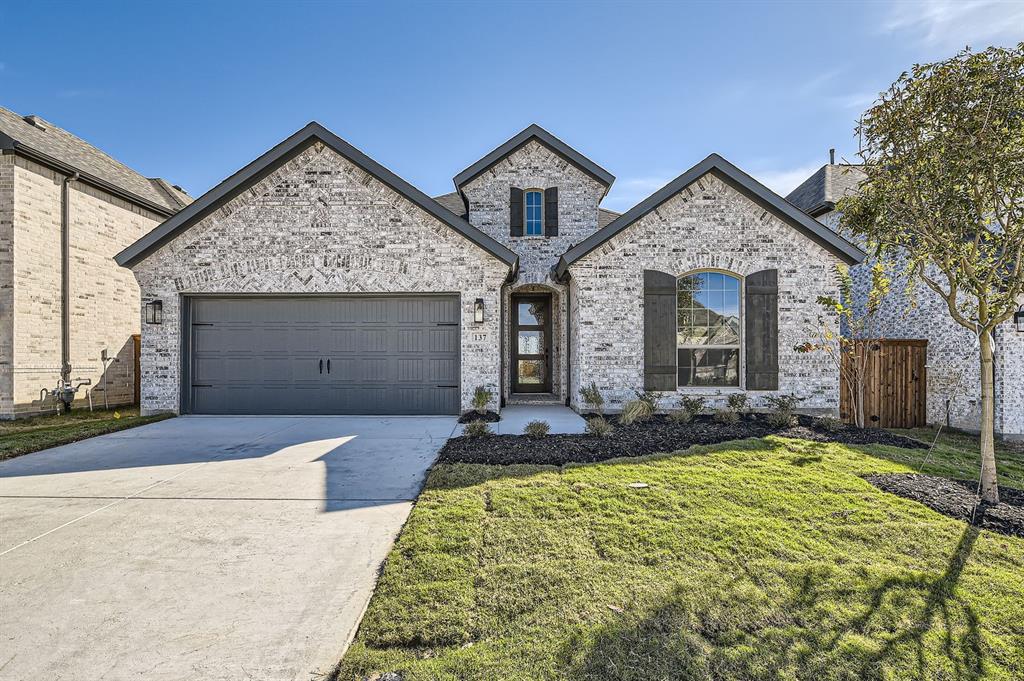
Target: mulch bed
488	416
660	434
958	499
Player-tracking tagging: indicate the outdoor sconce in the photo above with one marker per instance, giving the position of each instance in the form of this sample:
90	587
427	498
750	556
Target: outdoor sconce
1018	319
478	311
155	312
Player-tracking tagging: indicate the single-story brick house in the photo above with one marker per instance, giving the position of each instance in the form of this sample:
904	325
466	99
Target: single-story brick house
314	280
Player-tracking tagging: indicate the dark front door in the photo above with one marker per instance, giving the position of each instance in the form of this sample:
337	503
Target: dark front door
531	343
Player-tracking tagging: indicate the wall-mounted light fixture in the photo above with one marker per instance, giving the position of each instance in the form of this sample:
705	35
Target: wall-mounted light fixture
155	312
1018	319
478	311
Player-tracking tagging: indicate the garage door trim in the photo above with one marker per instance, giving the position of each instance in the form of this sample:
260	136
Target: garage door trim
186	333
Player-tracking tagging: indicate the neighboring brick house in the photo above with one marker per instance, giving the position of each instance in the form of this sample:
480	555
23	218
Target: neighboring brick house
314	280
53	183
954	368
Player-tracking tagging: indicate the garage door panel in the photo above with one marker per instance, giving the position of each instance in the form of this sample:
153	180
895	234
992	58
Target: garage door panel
388	355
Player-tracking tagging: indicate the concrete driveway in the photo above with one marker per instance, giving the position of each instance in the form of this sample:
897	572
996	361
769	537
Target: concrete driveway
203	547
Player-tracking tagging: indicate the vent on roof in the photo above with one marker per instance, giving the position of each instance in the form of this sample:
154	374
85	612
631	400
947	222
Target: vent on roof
178	188
36	121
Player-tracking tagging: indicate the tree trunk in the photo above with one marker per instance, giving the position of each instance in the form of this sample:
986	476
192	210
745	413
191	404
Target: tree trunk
989	484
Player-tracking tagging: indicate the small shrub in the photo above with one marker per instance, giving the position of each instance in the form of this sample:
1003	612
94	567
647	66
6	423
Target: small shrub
726	416
778	419
635	411
692	405
599	427
481	398
738	403
477	429
537	428
681	416
783	407
830	424
649	398
593	398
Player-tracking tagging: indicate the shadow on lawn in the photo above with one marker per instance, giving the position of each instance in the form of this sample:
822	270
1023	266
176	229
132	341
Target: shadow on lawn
751	628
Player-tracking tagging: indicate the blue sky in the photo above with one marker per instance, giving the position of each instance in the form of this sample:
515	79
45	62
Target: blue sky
194	91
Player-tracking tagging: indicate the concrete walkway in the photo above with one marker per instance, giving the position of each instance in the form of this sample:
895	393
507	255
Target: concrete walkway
562	419
202	547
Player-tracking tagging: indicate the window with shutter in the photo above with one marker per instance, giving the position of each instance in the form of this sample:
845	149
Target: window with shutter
708	329
515	211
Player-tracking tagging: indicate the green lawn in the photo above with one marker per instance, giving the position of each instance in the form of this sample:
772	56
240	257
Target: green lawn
956	456
759	559
40	432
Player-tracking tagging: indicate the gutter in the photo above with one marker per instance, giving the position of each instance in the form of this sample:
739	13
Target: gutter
65	277
11	146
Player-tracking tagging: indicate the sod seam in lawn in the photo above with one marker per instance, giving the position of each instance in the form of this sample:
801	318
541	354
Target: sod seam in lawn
25	436
758	559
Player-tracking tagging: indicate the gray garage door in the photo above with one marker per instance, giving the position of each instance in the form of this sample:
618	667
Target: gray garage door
351	355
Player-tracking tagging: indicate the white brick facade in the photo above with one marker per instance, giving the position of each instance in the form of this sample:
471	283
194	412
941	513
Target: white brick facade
318	224
104	297
708	225
954	365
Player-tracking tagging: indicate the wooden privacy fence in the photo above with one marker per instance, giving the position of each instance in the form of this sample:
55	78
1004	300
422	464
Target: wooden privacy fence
895	383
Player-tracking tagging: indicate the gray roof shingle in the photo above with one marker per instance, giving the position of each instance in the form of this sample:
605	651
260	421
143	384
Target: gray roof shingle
819	192
60	145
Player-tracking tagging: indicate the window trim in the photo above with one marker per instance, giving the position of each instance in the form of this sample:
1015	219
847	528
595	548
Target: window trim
526	218
741	358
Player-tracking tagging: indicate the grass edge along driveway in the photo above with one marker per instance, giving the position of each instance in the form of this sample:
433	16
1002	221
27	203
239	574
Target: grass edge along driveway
24	436
754	559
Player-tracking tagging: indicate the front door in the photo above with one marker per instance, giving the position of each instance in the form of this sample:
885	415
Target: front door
531	343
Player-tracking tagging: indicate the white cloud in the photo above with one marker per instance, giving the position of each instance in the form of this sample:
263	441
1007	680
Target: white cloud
784	181
953	24
626	193
861	101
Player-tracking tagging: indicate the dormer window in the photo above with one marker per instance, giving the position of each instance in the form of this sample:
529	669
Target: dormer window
534	212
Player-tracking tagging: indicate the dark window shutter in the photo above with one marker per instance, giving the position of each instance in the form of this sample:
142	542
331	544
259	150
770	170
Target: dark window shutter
659	331
551	211
762	330
515	212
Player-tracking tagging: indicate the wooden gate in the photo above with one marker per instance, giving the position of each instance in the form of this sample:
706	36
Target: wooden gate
895	383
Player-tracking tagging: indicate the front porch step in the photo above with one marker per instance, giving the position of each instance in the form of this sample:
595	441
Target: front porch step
534	398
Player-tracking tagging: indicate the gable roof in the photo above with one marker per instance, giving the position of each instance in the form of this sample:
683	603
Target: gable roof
283	152
740	181
556	145
54	147
819	193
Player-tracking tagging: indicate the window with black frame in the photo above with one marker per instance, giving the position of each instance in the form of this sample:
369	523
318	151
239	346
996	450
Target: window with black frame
708	330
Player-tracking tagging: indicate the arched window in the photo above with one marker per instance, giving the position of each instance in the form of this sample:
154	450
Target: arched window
708	329
534	213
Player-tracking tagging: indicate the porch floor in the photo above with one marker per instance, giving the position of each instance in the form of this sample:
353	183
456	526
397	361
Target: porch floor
562	419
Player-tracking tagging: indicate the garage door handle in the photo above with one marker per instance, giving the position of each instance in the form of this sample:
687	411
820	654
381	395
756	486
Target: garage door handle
328	365
321	365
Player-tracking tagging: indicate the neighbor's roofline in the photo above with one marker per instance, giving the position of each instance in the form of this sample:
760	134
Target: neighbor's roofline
9	145
273	159
739	180
556	145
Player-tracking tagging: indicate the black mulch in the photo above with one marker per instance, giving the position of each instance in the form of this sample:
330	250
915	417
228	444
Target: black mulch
958	499
660	434
488	416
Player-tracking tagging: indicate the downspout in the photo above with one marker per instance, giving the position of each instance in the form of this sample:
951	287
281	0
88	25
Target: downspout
568	340
65	286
